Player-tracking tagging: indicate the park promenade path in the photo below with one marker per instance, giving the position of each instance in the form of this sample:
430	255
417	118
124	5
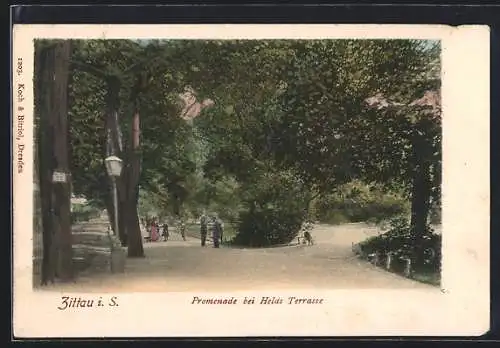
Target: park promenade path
179	265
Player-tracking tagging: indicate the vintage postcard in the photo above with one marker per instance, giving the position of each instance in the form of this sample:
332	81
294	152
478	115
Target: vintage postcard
250	180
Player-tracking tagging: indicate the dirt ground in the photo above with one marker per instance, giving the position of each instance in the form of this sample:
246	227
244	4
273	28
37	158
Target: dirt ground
179	265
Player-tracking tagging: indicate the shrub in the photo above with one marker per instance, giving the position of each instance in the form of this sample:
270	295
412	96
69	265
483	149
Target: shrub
267	227
335	217
399	240
358	202
274	207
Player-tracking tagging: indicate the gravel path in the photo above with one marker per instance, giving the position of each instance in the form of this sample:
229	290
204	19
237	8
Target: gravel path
179	265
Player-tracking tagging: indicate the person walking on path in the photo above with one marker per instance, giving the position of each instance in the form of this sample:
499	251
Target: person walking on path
221	229
182	227
203	229
154	231
165	233
216	232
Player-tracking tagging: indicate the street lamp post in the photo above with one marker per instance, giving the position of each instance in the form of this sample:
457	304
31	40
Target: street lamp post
114	169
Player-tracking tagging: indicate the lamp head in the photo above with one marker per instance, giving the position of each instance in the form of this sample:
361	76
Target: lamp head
113	166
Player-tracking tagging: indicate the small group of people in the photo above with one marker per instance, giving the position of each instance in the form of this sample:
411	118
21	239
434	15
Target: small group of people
217	227
151	227
154	231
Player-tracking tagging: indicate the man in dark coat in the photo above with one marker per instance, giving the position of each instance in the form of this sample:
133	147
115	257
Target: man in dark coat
165	233
203	229
217	231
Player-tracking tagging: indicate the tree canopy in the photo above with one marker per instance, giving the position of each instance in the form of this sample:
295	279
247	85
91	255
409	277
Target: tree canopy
260	127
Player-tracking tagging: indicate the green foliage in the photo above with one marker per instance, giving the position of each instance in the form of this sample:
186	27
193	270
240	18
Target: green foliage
151	204
84	212
329	134
358	202
87	135
276	206
399	240
267	227
332	134
290	121
165	137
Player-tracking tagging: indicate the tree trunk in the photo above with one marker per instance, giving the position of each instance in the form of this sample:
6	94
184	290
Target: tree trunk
123	206
113	147
42	105
135	248
48	262
420	200
37	214
51	96
61	191
421	193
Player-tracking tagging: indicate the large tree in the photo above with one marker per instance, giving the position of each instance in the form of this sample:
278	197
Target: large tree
366	109
119	85
105	70
51	119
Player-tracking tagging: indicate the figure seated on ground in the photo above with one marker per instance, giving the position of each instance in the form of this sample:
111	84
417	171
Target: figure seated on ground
305	234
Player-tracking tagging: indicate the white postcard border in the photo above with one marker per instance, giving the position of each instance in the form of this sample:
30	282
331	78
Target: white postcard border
460	308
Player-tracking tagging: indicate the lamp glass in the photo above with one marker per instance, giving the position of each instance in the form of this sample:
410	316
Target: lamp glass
113	166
